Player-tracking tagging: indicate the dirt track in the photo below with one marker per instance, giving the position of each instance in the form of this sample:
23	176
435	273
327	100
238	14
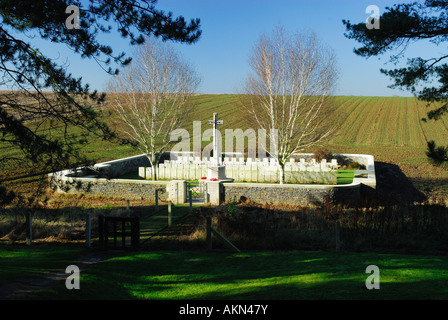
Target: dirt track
23	287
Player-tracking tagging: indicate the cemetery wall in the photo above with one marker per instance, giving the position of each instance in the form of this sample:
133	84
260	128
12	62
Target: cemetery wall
130	189
116	168
122	188
294	195
80	181
303	195
99	180
109	169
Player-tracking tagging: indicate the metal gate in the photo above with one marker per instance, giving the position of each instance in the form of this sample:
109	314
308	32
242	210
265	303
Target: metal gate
130	226
198	191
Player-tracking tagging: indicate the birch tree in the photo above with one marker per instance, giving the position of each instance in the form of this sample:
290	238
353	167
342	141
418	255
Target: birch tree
151	97
286	92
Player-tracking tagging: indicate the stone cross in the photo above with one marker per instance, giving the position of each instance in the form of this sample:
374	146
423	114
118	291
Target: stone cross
216	150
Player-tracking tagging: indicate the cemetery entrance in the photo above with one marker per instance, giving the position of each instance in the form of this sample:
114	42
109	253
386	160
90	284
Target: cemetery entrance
198	191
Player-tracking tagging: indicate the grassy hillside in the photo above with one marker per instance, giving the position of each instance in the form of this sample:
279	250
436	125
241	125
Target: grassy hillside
367	121
388	121
390	128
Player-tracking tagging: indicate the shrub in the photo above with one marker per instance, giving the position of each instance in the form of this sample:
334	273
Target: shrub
322	153
356	166
438	155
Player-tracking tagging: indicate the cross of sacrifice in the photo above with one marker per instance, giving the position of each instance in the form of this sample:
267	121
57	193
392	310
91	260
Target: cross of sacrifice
216	152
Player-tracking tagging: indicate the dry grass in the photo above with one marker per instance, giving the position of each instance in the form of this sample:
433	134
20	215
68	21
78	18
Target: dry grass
414	228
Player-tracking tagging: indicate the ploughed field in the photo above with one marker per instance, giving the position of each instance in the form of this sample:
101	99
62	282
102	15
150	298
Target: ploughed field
391	129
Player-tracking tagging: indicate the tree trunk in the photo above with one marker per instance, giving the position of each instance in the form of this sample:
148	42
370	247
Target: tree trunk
154	161
282	173
154	171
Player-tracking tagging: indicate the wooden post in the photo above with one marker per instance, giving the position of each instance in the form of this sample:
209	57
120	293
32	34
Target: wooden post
123	233
157	200
209	233
106	232
224	240
101	230
169	213
337	232
115	233
88	229
190	198
135	232
29	229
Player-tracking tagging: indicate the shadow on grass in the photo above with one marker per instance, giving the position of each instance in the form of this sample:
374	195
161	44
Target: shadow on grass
394	187
261	275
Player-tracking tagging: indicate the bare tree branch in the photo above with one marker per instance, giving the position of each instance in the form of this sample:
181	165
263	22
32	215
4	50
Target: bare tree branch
292	75
152	95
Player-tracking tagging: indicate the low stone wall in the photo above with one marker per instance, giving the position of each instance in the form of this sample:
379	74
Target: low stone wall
91	180
116	168
109	169
363	184
125	189
294	195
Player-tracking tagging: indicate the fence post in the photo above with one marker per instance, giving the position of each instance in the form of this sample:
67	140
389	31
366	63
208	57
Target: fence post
101	231
209	233
115	232
29	229
205	190
157	200
190	198
135	232
123	233
88	229
169	213
338	229
128	205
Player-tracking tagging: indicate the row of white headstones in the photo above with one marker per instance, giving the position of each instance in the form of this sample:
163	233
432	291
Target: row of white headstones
265	169
301	165
257	171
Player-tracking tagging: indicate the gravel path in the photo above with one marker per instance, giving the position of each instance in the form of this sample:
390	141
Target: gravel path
21	288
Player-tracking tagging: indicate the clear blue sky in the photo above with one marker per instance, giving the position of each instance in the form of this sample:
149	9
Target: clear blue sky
230	28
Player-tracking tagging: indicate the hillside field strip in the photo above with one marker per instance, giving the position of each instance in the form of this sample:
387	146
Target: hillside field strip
389	128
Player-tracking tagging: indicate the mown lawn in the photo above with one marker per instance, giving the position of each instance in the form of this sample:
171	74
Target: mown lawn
258	275
345	176
20	261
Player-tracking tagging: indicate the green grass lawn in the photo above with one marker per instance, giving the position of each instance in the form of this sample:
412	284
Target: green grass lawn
345	176
22	261
258	275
